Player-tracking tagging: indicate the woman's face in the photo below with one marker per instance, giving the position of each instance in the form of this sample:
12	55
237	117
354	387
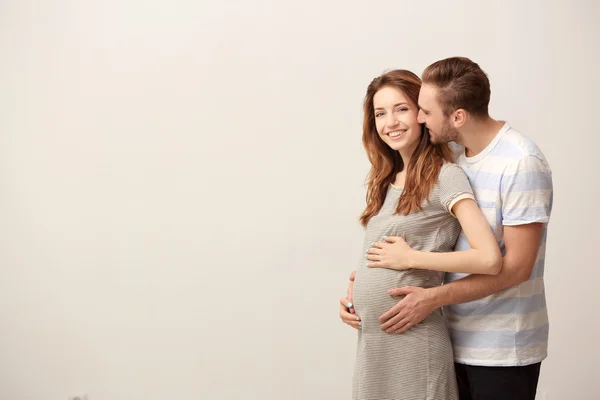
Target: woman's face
396	120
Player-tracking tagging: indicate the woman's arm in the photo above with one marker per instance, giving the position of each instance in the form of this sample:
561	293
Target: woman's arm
483	258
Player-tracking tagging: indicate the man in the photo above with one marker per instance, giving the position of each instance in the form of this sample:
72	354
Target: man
498	323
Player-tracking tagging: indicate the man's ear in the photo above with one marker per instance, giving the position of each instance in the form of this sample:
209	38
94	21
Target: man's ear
459	118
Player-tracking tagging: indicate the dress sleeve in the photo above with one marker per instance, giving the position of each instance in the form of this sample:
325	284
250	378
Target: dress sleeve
454	186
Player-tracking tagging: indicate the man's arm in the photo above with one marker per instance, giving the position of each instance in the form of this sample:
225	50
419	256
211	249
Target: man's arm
522	245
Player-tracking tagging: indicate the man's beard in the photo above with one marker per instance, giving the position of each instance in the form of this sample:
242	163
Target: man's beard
447	134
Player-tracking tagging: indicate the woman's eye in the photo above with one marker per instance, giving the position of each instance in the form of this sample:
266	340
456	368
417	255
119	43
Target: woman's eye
403	109
379	114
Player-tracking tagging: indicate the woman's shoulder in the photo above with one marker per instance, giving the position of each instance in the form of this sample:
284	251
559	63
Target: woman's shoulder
453	176
450	169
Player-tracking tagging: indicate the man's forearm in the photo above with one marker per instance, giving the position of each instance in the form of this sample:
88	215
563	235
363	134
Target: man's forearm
521	249
475	287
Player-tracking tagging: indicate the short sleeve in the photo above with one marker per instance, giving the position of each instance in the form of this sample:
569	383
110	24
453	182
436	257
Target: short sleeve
454	185
526	192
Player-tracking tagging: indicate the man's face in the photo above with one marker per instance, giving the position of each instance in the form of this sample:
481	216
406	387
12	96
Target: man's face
431	114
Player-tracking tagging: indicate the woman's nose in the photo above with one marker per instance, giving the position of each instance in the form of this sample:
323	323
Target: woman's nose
392	121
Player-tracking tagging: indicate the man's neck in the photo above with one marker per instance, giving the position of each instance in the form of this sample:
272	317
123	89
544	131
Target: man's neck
479	134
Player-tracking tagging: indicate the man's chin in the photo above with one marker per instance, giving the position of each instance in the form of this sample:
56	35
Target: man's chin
439	140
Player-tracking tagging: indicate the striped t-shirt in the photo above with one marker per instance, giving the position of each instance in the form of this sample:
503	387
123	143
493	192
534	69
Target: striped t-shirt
512	183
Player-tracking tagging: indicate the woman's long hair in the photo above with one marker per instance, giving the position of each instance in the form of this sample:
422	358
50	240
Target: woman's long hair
424	166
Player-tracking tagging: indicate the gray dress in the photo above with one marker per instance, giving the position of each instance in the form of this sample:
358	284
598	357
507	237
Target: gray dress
417	364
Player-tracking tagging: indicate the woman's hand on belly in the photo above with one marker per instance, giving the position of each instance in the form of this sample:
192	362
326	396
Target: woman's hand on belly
347	313
394	254
347	317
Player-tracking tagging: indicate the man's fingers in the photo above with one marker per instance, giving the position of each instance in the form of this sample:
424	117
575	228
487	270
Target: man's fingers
399	326
377	245
404	328
391	239
391	313
403	291
392	321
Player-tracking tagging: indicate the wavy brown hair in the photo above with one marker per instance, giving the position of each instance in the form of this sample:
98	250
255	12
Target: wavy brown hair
424	166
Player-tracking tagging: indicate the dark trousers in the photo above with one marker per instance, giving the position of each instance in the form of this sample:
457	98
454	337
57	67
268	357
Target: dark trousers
497	383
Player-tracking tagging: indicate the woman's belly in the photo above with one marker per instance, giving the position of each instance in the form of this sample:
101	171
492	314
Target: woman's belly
370	292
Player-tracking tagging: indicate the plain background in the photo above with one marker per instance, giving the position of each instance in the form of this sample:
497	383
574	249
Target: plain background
180	185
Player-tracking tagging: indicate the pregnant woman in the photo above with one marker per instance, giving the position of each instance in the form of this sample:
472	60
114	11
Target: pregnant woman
417	193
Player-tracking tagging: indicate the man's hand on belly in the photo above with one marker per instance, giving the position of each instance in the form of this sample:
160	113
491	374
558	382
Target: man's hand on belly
417	304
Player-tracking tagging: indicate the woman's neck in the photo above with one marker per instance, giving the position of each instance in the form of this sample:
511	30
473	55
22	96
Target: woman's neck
401	176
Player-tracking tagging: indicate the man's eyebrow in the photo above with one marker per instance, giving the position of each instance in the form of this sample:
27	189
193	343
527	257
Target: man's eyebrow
423	108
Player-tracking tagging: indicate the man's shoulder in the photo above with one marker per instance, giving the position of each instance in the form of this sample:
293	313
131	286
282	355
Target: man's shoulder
507	151
514	146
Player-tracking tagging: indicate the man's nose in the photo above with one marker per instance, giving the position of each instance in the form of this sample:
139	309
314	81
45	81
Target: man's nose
421	117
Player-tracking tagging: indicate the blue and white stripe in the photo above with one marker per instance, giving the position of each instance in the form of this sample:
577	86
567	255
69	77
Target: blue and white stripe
512	183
